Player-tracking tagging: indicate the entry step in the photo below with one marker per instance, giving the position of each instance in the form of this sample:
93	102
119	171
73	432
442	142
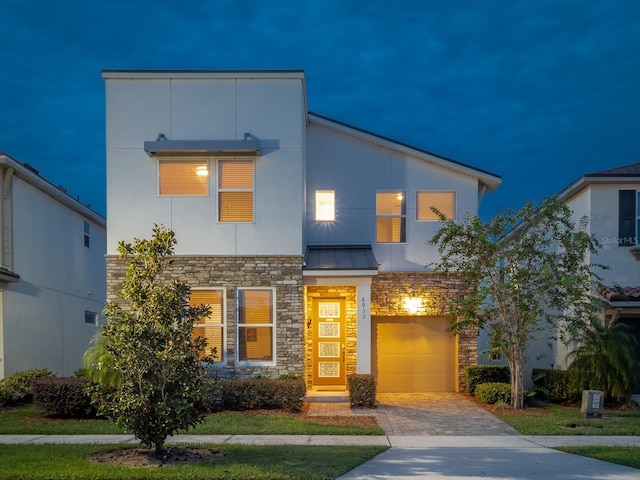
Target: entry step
326	396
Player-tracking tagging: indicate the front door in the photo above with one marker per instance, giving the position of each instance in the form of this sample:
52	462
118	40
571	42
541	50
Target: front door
329	343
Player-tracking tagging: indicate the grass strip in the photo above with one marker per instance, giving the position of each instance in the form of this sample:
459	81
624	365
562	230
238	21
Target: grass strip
273	462
627	456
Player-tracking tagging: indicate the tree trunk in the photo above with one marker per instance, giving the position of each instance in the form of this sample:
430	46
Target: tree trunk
517	384
160	452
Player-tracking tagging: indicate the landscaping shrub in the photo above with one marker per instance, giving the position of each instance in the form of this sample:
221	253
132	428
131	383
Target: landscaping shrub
257	393
494	392
551	385
16	388
477	374
65	397
362	390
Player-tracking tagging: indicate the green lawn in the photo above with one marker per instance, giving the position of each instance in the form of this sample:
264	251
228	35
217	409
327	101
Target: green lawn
627	456
29	420
563	420
30	462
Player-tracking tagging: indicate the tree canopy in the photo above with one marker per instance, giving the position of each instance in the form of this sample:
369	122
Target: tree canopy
530	269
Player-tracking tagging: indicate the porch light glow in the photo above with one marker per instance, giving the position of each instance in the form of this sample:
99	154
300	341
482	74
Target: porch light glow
412	304
325	205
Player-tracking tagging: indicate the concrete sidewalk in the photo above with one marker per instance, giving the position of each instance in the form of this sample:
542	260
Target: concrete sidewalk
402	441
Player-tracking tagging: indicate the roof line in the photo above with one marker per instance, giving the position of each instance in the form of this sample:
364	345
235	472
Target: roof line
406	145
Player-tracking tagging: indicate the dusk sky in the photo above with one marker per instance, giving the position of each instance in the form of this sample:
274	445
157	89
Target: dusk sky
537	91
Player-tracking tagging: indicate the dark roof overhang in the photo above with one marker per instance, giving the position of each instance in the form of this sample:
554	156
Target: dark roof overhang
340	260
163	147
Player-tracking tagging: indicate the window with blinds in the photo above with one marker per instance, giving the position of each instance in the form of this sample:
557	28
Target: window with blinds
183	177
391	221
212	327
256	325
235	190
445	202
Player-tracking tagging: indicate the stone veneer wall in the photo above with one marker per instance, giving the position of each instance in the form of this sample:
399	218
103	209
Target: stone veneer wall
282	272
389	290
348	292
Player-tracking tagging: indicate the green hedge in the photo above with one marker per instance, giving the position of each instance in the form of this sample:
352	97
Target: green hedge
258	393
477	374
551	385
65	397
494	392
16	388
362	390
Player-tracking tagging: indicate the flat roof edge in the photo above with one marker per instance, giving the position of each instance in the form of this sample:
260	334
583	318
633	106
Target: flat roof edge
186	74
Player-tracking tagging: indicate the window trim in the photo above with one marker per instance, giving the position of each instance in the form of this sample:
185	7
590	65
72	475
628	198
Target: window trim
220	190
200	159
273	325
223	325
628	217
455	205
402	216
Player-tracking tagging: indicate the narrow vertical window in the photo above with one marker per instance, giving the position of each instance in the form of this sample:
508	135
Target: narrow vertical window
183	178
235	190
391	221
627	217
87	234
325	205
445	202
256	325
212	327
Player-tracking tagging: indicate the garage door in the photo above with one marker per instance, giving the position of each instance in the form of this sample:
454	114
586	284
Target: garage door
414	354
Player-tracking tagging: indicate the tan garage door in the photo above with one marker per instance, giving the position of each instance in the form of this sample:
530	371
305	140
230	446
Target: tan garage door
414	354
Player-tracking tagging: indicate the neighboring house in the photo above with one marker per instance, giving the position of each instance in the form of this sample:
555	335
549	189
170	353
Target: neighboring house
52	274
611	201
306	236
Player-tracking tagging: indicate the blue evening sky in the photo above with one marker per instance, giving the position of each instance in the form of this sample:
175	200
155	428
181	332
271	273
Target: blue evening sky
538	91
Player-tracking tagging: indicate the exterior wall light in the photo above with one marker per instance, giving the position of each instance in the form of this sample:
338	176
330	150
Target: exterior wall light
325	205
412	304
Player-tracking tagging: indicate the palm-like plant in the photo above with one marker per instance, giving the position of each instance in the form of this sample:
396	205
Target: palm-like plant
604	360
98	363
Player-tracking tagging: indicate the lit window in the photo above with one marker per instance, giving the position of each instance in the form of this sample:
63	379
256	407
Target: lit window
235	190
212	327
90	317
443	201
183	178
325	205
256	325
391	222
87	235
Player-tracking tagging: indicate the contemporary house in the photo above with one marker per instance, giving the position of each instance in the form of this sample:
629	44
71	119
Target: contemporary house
52	273
305	235
611	201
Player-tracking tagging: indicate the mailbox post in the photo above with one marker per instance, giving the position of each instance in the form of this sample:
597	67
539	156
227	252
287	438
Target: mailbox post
592	403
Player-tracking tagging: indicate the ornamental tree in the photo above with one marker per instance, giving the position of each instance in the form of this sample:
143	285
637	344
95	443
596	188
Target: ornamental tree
148	339
530	276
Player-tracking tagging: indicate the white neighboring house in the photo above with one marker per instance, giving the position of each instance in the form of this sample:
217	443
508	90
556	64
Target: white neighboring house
611	200
306	236
52	274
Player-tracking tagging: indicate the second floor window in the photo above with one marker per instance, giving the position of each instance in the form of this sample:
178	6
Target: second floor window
445	202
87	234
628	217
183	178
391	217
235	190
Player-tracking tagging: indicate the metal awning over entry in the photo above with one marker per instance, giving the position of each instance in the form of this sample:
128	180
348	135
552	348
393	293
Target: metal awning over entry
337	259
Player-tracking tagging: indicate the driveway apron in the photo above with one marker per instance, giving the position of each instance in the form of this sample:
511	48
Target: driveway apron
419	414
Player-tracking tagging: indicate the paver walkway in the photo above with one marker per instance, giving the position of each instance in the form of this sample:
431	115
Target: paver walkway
419	414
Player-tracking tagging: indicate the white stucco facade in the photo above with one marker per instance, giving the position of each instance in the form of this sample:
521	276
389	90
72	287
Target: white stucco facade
158	117
56	278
